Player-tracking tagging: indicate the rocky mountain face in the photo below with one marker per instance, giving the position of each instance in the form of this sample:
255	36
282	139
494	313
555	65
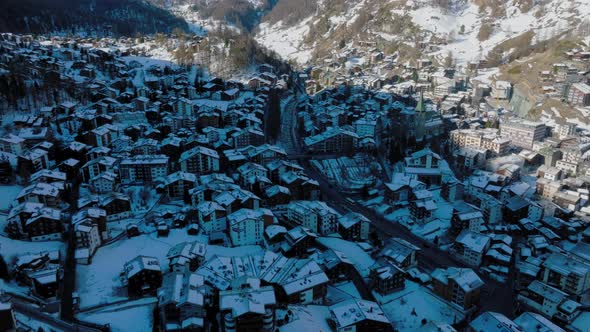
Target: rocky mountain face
122	17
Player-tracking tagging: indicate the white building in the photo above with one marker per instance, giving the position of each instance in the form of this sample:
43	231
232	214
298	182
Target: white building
87	241
246	227
502	90
471	247
523	133
314	215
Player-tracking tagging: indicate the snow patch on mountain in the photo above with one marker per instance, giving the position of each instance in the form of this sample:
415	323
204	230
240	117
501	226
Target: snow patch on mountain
287	42
546	19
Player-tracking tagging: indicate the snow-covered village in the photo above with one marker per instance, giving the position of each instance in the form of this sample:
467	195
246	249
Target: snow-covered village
277	166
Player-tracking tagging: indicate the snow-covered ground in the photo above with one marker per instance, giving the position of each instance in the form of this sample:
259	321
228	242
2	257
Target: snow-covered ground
8	195
132	316
286	41
406	309
554	17
12	248
467	47
100	283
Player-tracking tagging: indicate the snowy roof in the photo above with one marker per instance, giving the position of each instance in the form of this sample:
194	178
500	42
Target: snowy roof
145	160
466	278
141	263
188	250
550	293
40	188
474	241
398	250
199	150
530	321
274	230
292	274
56	175
243	215
319	207
12	139
276	189
494	322
352	218
329	134
245	301
350	312
566	265
180	288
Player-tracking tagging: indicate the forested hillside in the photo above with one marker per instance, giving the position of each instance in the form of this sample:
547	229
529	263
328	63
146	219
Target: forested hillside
124	17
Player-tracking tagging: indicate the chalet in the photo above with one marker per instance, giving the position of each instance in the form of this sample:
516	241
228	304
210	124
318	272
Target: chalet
181	301
400	253
246	227
186	256
143	169
143	275
297	242
116	205
40	192
471	247
32	161
277	195
332	140
211	217
458	285
248	308
358	315
354	227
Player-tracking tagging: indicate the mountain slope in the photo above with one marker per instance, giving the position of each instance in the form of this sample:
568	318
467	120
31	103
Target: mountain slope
127	17
467	29
240	14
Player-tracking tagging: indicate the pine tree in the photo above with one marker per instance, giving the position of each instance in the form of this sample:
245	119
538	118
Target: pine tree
3	269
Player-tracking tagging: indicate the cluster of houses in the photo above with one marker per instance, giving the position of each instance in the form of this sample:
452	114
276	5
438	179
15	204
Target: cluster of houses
127	133
350	119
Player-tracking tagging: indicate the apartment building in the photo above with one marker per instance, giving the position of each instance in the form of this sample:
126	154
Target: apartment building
142	169
522	133
486	139
315	215
579	94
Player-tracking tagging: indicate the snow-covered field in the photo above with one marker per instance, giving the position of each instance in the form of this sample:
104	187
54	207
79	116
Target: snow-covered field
11	248
461	22
8	195
286	41
133	316
99	283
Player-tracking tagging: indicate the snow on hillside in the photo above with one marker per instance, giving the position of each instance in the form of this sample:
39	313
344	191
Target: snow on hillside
547	20
286	41
466	47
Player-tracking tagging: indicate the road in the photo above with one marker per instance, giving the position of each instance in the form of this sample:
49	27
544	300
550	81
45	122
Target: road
497	297
35	313
68	282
